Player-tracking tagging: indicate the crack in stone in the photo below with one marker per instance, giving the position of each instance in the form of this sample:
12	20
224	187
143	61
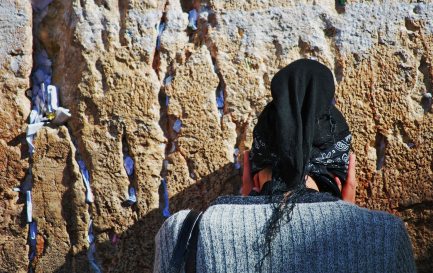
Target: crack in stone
424	205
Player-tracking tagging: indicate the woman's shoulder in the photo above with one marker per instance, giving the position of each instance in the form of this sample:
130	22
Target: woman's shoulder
174	222
233	208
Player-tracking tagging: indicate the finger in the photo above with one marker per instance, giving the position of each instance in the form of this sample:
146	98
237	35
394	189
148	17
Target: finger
247	181
348	193
349	190
337	180
351	172
256	181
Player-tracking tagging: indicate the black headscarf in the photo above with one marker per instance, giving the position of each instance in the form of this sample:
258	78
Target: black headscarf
298	126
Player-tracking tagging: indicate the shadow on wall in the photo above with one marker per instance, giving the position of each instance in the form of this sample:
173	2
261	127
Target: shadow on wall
133	250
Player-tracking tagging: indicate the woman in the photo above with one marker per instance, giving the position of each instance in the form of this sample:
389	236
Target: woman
293	219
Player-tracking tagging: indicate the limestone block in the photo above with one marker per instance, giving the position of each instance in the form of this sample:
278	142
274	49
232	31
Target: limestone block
59	206
15	66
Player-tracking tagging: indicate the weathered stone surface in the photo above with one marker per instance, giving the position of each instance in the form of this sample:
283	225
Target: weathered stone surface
15	67
116	83
58	203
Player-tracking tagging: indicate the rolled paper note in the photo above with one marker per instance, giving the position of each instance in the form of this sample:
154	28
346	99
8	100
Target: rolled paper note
168	80
132	198
236	159
39	5
85	175
38	104
128	163
90	236
192	19
34	116
161	28
39	76
33	231
29	140
165	210
43	92
29	207
34	128
177	125
53	97
89	195
172	147
165	164
167	100
27	183
220	97
92	249
62	115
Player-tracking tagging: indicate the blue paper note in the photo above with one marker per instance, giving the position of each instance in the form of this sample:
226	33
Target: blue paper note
237	164
29	207
86	179
161	29
132	198
192	19
128	163
92	249
177	125
33	231
165	210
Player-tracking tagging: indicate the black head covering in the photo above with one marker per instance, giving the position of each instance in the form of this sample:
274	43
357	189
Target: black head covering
298	125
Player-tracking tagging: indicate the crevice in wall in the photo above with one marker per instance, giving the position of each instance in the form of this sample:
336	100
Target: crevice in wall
206	20
380	144
129	165
421	206
40	79
166	121
123	15
425	69
89	199
156	63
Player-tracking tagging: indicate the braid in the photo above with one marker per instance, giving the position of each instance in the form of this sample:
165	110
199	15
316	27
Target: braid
282	212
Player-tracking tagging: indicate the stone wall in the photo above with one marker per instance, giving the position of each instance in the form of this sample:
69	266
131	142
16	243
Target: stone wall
154	96
15	67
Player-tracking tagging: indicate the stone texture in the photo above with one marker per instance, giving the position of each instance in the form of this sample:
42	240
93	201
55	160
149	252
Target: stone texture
15	67
116	84
58	203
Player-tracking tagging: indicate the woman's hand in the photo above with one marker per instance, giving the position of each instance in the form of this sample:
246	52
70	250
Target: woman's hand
348	192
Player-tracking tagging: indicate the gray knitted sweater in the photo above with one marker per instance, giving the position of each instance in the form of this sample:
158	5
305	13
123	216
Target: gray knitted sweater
321	237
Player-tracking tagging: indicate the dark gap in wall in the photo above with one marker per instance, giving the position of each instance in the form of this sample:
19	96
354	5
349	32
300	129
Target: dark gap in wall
123	12
425	69
156	64
380	144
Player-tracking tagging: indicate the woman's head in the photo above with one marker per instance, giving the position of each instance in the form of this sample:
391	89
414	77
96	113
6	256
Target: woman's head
300	131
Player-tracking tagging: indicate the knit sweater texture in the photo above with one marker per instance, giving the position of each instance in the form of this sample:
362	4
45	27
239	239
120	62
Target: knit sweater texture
321	237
